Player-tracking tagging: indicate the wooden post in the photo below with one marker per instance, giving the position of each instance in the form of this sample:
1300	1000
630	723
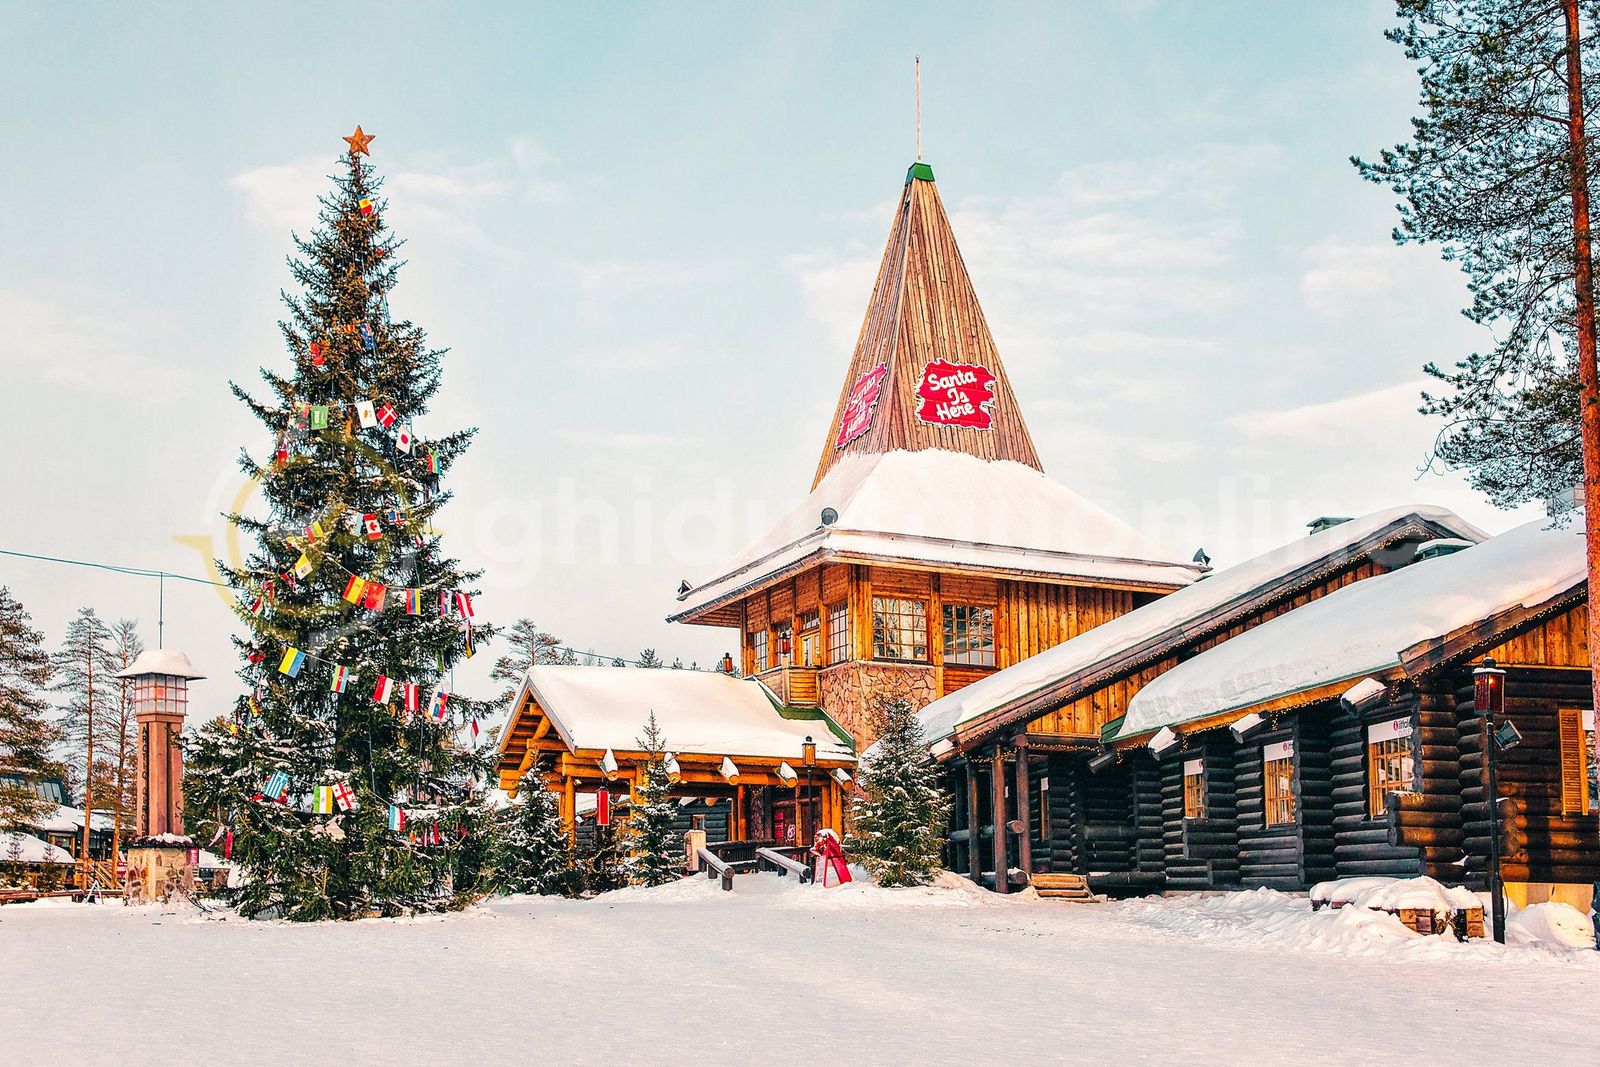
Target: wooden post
569	810
88	772
1024	808
974	856
997	793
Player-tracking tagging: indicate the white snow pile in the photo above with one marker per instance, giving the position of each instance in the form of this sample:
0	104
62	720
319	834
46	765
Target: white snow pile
1550	925
25	848
1392	894
947	890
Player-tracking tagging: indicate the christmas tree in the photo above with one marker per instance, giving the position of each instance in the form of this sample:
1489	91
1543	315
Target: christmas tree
897	823
339	784
26	732
532	853
656	857
601	861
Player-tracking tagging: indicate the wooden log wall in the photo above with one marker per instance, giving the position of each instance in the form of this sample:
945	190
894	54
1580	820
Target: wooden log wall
1360	840
716	818
1149	843
1200	853
1294	855
1560	847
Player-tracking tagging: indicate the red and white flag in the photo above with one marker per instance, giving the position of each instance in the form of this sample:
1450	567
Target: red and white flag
413	695
343	797
464	605
387	416
405	441
384	691
436	704
372	527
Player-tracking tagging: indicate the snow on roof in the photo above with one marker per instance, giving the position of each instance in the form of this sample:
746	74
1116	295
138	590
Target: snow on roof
1170	613
936	506
698	711
1363	628
162	661
26	848
65	819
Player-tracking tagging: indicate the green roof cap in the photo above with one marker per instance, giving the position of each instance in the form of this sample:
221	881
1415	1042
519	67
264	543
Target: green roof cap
919	170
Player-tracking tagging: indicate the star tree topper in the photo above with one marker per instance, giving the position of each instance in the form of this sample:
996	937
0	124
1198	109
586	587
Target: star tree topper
358	142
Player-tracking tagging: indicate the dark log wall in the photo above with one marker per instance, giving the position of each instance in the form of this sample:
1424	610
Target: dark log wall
716	819
1560	848
1361	842
1201	853
1298	854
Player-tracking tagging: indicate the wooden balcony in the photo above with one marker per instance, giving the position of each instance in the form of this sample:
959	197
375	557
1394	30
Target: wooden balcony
795	686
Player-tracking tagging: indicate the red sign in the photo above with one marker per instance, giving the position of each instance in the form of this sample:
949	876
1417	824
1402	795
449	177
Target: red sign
859	405
602	808
955	394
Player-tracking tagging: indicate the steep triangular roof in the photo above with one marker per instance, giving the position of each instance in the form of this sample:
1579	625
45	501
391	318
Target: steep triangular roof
923	311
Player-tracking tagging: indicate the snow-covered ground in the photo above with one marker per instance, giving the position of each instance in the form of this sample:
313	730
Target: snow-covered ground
774	972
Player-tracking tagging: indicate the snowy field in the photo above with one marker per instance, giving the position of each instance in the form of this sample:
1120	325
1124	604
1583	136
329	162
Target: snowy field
774	972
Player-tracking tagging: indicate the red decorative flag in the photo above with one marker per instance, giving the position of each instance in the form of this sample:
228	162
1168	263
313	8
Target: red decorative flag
318	353
464	605
413	695
343	797
373	599
955	394
355	589
858	407
384	691
373	528
386	416
365	204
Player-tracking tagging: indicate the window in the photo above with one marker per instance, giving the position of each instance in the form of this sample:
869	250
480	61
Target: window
1391	762
1580	777
809	620
899	629
1044	809
838	633
758	642
1194	789
1277	772
969	635
810	638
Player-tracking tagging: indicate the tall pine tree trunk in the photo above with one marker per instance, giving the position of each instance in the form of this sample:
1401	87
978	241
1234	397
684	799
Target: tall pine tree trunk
1588	373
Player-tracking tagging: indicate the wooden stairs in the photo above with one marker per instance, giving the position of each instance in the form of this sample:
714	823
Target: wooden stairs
1069	887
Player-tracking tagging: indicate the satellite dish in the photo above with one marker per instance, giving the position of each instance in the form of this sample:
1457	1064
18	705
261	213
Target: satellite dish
829	516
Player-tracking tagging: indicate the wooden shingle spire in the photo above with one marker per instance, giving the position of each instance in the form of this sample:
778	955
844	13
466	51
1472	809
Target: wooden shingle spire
925	373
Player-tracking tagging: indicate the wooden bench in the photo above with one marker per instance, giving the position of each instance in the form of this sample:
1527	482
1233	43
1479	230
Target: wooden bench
1070	887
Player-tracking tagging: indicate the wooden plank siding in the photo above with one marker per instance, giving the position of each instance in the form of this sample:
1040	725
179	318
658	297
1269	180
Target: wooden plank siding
1559	642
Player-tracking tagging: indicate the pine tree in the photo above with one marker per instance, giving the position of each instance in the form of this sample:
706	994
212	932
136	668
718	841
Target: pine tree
529	646
122	733
602	861
27	734
350	498
83	669
648	658
533	854
897	824
656	853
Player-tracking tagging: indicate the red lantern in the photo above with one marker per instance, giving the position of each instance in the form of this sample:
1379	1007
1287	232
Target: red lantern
727	663
783	643
1488	689
602	808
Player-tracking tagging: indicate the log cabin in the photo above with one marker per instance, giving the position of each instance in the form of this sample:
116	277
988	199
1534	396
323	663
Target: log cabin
1342	740
740	755
1023	740
932	550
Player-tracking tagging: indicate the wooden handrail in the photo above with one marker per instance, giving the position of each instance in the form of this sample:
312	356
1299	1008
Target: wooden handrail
715	867
784	865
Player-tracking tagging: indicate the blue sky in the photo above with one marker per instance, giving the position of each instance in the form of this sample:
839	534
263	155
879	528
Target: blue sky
648	235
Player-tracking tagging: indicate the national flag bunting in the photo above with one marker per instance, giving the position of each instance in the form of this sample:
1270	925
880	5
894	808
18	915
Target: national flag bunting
464	605
293	660
405	441
470	648
323	802
413	695
387	415
433	462
367	413
436	703
315	531
318	353
302	566
383	692
365	204
277	786
258	605
397	818
413	601
340	679
344	797
302	416
376	592
319	416
368	341
371	526
355	589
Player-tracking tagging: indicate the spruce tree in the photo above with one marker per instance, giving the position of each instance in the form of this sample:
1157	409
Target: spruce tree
897	823
656	855
532	853
602	861
528	646
84	675
347	579
27	734
122	733
648	658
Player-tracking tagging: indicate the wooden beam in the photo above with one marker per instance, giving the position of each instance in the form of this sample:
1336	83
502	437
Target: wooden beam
997	797
974	855
1024	812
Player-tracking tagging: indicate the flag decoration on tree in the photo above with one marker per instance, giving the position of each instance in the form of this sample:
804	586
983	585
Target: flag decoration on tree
319	416
397	818
344	797
355	589
277	787
302	566
293	660
464	605
365	204
444	603
412	693
433	462
371	526
323	804
436	704
368	341
374	596
340	679
386	416
367	414
403	441
413	601
383	692
317	356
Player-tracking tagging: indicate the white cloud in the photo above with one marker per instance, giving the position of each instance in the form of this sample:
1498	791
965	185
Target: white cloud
628	275
1391	407
110	348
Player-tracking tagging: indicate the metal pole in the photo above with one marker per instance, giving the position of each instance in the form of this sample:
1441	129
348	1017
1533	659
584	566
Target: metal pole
1497	907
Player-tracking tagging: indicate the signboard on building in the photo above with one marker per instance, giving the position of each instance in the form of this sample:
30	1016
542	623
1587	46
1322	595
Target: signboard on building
955	394
860	404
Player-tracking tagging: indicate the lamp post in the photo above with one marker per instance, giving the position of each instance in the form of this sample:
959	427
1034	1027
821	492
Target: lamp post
1488	700
808	756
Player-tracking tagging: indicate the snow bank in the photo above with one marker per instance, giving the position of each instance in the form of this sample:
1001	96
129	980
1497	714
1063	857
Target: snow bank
1341	891
1552	926
25	848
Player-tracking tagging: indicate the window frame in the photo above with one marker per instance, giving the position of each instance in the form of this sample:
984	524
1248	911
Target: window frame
895	607
837	646
1575	727
1393	751
1279	809
758	650
1195	798
957	626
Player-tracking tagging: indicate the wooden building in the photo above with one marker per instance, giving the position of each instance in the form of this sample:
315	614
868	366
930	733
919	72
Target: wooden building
1022	742
1341	740
932	550
739	755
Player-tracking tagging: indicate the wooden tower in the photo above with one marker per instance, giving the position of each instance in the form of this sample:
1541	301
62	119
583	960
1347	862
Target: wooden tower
932	549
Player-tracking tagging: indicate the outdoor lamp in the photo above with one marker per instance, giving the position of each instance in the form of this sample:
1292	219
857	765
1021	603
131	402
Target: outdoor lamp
808	752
